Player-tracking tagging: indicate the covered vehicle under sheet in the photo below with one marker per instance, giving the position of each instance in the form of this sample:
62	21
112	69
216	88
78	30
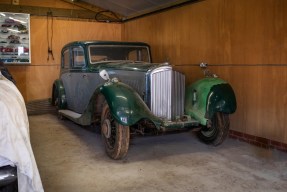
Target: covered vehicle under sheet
15	147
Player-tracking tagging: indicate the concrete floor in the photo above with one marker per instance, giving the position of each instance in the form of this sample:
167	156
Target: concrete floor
71	158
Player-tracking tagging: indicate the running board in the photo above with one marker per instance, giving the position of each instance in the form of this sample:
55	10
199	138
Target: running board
82	119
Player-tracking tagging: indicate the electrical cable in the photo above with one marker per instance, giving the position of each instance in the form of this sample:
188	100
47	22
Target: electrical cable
50	41
108	19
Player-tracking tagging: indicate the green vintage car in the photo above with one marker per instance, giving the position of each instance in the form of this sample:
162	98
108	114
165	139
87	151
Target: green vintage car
116	85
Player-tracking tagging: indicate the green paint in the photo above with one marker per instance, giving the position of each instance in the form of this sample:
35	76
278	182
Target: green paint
126	106
222	99
212	94
203	98
60	94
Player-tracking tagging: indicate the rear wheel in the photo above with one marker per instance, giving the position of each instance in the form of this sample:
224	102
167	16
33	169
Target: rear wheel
55	99
116	136
218	131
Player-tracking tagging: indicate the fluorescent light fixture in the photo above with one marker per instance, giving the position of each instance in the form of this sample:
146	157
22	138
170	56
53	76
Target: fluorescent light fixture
3	14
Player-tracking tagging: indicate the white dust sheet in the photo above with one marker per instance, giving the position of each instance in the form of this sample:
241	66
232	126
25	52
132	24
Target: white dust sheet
15	146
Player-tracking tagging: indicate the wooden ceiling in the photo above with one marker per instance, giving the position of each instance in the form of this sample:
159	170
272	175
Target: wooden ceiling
102	11
135	8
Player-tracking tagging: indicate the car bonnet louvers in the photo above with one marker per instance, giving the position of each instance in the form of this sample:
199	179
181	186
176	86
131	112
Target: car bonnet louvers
167	88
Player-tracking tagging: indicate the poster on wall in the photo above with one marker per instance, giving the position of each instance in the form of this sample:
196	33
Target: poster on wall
15	38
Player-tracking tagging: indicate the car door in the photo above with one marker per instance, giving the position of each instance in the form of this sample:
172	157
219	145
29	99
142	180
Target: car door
85	81
80	79
74	78
66	77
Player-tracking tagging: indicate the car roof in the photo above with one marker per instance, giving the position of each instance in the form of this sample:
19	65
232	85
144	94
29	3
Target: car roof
95	42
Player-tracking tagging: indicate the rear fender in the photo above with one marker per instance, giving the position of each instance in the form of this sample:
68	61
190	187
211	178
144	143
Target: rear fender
59	95
125	104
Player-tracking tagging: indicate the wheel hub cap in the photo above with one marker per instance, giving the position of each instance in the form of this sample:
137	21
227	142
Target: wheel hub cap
106	129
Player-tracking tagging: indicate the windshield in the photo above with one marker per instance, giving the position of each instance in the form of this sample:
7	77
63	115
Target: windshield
99	53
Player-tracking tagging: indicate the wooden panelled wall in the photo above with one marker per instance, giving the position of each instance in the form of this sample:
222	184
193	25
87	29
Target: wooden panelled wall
35	80
244	41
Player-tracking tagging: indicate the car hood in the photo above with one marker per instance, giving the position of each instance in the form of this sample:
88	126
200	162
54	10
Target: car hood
130	66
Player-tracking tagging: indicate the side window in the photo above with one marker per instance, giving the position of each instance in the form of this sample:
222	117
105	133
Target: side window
78	57
66	59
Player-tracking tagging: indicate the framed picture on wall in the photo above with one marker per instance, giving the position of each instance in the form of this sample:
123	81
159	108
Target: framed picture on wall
15	38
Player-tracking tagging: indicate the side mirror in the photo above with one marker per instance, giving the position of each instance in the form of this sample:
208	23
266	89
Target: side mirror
104	74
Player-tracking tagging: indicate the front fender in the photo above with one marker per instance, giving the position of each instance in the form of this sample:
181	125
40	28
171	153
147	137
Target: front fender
207	96
125	104
221	98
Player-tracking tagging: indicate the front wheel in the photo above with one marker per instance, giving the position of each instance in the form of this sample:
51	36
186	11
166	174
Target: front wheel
116	136
218	131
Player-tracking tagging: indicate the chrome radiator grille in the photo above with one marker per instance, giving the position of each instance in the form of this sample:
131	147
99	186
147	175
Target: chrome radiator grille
167	93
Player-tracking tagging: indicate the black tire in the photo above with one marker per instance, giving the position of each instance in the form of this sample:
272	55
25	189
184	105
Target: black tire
117	139
218	131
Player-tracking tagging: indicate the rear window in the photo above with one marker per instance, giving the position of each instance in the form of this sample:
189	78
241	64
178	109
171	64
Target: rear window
99	53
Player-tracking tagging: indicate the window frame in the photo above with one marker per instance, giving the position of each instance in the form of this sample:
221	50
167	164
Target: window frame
73	63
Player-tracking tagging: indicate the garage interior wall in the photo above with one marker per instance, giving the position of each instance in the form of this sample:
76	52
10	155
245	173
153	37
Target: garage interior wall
35	80
243	41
